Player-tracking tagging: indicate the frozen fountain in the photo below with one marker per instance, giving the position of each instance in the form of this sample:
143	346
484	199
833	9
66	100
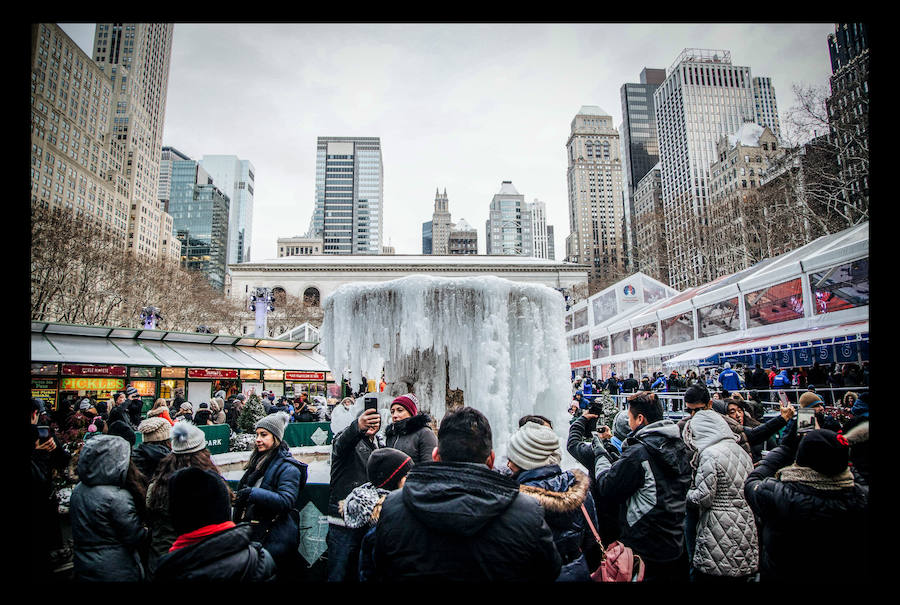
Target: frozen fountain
484	342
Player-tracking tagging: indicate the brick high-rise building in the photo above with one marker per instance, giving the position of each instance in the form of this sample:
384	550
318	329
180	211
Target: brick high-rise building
135	57
440	224
595	183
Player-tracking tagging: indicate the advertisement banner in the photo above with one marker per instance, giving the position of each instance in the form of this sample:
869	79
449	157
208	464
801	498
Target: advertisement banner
824	354
71	369
92	384
846	352
785	358
211	373
304	376
44	389
581	364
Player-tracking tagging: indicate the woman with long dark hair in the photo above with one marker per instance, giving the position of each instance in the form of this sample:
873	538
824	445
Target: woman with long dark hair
188	450
269	492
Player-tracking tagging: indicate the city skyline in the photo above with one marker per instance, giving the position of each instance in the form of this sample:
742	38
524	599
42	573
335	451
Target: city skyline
438	96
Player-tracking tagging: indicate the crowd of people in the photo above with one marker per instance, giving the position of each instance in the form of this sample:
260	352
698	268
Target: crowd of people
719	496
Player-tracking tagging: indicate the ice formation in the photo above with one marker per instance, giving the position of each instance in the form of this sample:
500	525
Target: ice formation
502	341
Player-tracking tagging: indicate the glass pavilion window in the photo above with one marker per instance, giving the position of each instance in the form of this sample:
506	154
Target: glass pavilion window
718	318
842	287
781	302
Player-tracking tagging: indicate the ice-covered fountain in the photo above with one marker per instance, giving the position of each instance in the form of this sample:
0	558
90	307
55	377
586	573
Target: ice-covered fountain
485	342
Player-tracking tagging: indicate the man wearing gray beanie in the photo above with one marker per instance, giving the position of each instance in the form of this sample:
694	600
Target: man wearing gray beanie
534	456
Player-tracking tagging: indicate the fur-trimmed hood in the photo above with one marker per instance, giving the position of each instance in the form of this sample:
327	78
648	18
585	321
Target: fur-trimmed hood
407	426
858	434
561	493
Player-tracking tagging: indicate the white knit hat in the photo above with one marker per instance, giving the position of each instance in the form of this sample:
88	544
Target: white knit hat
155	428
187	438
533	446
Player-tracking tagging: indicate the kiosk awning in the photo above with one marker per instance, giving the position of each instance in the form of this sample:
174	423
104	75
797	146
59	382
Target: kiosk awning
62	348
701	353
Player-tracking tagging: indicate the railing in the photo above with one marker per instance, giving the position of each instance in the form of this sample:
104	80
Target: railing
673	401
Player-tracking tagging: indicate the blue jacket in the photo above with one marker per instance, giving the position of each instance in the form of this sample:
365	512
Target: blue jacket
781	380
587	388
274	503
659	382
730	380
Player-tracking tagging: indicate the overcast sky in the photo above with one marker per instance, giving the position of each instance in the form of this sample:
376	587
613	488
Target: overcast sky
457	106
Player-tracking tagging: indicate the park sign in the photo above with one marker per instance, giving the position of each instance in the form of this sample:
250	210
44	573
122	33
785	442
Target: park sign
218	437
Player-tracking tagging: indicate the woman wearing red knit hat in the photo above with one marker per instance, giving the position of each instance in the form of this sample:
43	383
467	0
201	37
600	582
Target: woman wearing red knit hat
410	431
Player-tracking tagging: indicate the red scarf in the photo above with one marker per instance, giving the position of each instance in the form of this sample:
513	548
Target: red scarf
198	535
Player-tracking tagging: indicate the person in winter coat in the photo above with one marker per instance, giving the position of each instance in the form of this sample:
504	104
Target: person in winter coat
133	405
302	413
161	409
185	412
107	531
156	444
645	383
409	431
209	546
350	451
729	379
630	385
660	384
612	384
648	484
781	380
726	541
587	386
269	493
342	415
188	451
217	411
856	431
801	493
456	519
387	469
759	435
533	457
201	418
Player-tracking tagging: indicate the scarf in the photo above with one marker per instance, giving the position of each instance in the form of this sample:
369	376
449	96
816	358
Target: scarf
813	478
200	534
359	509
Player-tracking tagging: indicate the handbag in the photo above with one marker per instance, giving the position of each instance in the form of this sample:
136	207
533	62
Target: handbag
619	563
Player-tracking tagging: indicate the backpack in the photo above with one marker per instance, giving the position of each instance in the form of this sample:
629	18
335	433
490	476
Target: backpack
619	563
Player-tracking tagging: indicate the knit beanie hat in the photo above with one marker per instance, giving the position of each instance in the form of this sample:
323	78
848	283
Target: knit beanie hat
197	498
620	425
533	445
409	401
387	466
187	438
130	391
155	428
274	423
821	451
809	399
84	404
187	406
122	430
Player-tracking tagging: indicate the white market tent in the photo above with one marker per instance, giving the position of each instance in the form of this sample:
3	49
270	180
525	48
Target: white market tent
795	305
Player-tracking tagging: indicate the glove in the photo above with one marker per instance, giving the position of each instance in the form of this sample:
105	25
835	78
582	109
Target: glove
243	495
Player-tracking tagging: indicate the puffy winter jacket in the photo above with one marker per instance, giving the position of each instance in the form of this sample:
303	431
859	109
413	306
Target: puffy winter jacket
799	518
462	522
730	380
649	484
274	504
106	530
562	494
781	380
228	556
413	437
726	532
146	457
350	452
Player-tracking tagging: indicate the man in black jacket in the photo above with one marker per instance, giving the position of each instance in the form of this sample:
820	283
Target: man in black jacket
456	519
649	485
350	453
630	385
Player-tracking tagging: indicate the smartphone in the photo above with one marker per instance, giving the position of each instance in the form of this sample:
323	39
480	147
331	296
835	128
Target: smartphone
782	396
43	433
371	403
806	420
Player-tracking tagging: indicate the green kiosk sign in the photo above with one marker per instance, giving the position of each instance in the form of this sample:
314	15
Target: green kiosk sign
217	437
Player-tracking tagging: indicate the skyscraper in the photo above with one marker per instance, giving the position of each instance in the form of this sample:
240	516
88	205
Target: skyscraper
235	177
349	195
463	239
427	238
509	226
766	106
136	58
440	224
703	98
640	147
200	213
594	179
543	233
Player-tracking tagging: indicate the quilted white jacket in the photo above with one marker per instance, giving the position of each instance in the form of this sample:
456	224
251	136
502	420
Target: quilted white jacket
727	542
